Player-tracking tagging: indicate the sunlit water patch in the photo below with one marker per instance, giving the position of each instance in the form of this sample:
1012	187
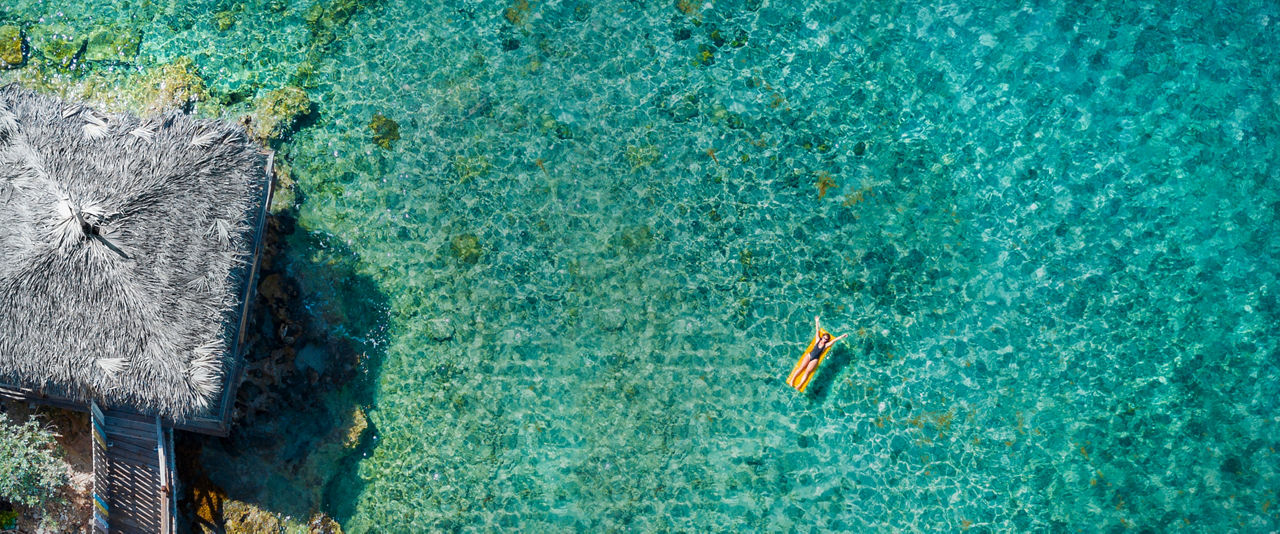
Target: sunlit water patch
1049	231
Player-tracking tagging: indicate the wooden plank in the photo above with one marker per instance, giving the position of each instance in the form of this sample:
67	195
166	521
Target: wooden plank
129	415
131	439
146	452
206	425
115	421
133	457
132	435
140	455
100	506
137	435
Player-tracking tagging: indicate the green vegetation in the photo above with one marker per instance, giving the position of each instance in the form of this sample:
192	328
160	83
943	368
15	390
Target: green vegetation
30	472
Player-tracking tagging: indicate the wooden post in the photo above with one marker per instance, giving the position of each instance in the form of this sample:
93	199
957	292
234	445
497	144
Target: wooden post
166	513
101	509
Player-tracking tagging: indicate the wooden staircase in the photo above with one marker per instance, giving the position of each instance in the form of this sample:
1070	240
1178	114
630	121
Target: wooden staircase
132	473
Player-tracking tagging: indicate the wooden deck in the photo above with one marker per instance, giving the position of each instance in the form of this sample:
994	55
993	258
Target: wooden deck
133	473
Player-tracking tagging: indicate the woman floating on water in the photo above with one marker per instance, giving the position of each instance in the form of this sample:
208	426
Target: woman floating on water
818	349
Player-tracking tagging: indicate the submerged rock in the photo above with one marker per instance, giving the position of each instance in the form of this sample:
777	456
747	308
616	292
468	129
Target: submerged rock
56	44
466	247
471	167
312	357
224	20
327	20
11	55
175	85
358	431
284	195
517	13
275	114
112	43
612	319
323	524
440	329
634	238
642	156
384	130
245	518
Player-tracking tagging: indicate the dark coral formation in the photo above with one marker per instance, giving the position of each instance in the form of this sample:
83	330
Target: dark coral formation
384	130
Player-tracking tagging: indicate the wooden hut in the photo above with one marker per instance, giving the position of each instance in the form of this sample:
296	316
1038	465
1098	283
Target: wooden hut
128	250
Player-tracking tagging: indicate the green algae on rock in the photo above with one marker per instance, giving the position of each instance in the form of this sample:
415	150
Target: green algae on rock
11	54
244	518
642	156
275	113
323	524
175	85
285	195
466	247
326	20
384	130
517	13
57	45
470	167
112	43
224	20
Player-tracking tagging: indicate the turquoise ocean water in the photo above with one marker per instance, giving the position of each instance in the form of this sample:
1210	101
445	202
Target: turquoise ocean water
1049	228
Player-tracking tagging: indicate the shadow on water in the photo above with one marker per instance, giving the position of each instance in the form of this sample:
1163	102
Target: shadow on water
299	421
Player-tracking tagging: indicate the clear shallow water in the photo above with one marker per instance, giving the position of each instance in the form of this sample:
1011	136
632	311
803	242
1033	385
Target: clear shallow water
1050	231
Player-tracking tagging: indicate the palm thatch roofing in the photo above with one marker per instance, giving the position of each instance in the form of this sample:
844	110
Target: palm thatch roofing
124	252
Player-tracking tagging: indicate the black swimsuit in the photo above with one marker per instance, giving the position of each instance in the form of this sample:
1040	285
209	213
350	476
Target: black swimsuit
817	350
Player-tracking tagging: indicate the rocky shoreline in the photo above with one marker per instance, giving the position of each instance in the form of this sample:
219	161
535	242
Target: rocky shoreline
296	417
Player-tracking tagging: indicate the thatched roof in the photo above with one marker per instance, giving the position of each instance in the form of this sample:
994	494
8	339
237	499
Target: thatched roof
124	248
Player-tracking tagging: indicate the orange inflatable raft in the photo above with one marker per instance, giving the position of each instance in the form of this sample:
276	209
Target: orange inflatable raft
797	379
